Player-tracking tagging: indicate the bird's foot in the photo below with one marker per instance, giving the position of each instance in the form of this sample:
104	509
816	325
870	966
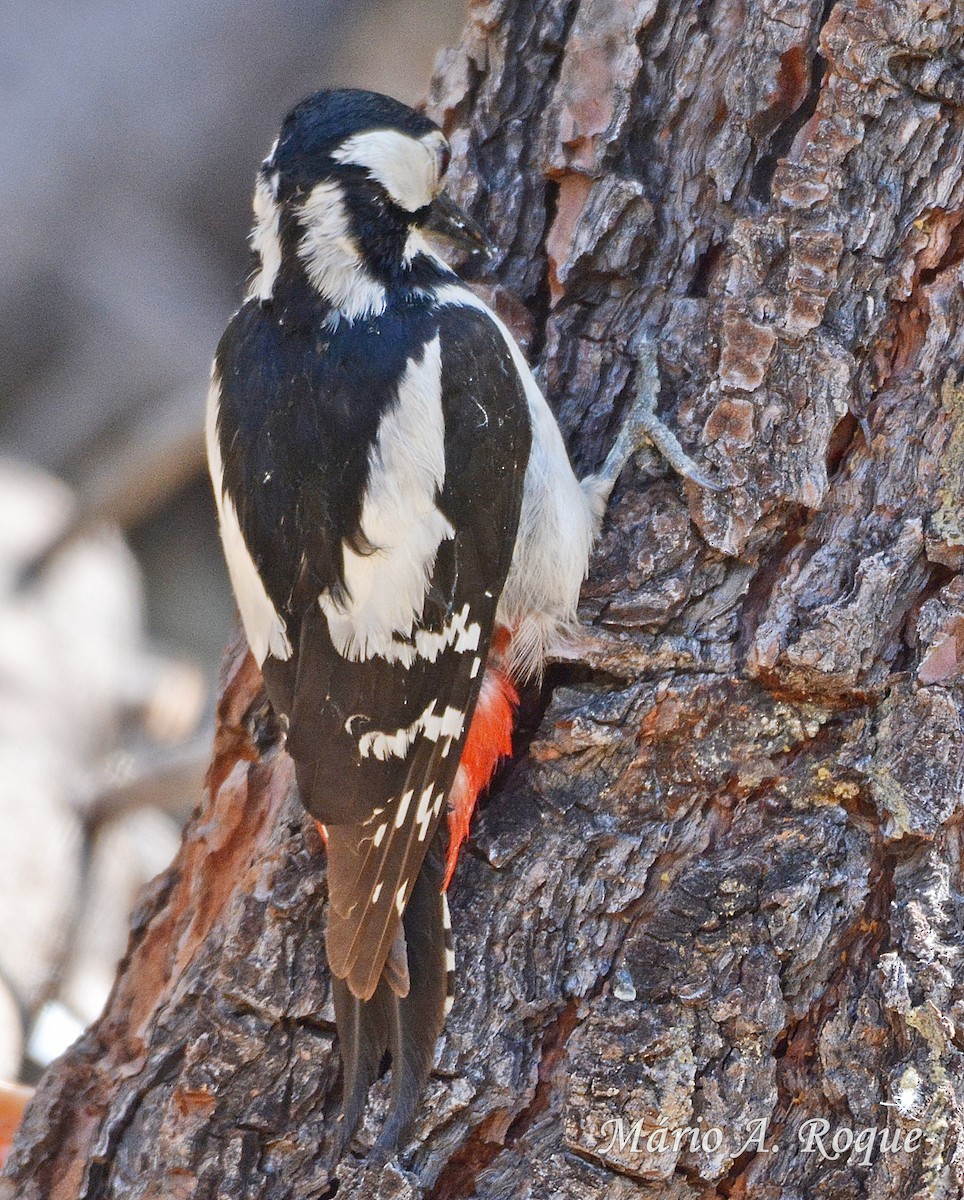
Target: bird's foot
642	427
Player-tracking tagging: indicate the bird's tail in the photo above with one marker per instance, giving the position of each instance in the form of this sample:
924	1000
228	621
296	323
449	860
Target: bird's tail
405	1027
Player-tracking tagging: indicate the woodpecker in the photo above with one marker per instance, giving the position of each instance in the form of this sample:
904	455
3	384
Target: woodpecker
406	541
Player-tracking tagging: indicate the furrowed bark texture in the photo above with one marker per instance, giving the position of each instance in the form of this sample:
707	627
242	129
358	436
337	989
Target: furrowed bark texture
721	883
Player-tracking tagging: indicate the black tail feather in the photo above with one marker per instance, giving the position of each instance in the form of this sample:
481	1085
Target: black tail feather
408	1027
364	1034
421	1013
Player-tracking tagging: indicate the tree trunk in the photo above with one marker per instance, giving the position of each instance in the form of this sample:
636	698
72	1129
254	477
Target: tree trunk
719	889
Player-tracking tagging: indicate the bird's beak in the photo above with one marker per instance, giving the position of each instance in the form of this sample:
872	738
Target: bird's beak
448	221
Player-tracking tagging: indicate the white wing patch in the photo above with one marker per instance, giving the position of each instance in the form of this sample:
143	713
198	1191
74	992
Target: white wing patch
406	167
450	972
386	589
332	260
402	813
265	630
458	632
423	814
448	724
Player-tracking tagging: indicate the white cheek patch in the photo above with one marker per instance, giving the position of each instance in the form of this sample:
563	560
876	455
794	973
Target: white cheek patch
386	589
265	630
406	167
332	260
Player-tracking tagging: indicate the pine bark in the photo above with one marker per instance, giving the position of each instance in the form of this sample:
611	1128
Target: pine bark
720	886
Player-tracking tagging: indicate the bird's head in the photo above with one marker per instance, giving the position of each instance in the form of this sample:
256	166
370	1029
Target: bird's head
349	187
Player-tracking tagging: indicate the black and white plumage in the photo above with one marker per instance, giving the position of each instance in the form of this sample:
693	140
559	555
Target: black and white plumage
395	499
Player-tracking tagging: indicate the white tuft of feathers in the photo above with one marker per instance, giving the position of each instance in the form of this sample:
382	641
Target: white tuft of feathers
265	237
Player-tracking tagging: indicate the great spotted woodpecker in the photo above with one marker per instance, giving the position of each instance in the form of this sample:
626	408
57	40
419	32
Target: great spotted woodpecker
406	540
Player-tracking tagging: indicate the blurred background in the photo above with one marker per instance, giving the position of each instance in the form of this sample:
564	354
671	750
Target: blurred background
130	134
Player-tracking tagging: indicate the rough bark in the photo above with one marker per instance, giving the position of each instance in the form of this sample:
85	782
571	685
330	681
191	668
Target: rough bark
721	882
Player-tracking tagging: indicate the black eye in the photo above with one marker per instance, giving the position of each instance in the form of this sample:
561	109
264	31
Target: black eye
446	158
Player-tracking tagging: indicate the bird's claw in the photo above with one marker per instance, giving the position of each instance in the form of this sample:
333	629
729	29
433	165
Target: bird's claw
662	437
642	427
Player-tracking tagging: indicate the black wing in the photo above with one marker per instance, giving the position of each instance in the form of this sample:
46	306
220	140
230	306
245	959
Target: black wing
376	743
300	407
382	813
